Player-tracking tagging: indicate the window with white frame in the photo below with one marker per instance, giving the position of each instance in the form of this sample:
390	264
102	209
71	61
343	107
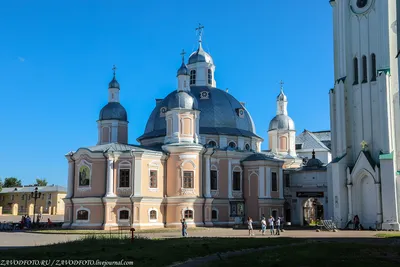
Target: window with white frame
274	182
247	147
209	76
214	214
192	77
84	174
236	185
153	215
188	180
188	214
212	143
232	145
153	178
124	178
123	215
82	215
49	196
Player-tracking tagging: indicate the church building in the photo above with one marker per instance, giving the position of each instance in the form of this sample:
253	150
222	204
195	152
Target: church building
199	158
365	118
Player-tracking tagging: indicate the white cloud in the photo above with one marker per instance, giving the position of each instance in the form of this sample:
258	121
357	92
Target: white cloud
21	59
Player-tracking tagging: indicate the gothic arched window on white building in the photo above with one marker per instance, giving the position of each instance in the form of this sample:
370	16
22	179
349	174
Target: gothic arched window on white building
192	77
365	69
373	67
355	70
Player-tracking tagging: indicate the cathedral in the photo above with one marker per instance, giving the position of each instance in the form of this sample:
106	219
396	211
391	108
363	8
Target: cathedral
364	174
199	158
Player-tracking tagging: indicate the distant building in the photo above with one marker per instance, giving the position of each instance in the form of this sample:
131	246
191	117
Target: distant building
18	200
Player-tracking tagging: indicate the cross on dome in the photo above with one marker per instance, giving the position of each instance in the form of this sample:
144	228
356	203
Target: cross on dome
281	83
200	31
114	69
183	55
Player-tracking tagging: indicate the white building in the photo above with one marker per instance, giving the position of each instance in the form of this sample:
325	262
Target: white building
365	114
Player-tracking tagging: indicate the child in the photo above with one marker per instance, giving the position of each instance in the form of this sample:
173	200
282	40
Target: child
184	227
263	226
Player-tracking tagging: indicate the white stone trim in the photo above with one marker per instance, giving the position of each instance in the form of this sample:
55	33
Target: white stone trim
83	162
148	215
184	156
118	215
183	213
212	219
124	165
86	224
153	166
76	215
87	200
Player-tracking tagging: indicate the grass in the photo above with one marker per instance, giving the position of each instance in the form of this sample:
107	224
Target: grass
320	254
389	235
143	252
107	232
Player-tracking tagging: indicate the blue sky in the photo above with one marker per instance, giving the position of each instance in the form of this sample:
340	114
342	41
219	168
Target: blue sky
56	59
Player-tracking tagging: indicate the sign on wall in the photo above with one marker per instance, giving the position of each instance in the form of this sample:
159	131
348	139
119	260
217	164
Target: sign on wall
310	194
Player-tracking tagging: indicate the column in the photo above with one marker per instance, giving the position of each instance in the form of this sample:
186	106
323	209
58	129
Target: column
268	181
208	176
379	203
137	185
110	176
99	133
229	178
280	181
261	182
71	174
350	215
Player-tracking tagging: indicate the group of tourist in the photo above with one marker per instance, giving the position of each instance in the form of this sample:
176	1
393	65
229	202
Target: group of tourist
26	222
274	225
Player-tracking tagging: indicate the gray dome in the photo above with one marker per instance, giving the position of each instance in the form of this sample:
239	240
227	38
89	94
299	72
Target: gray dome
183	70
113	84
113	111
182	100
200	56
314	163
281	122
218	114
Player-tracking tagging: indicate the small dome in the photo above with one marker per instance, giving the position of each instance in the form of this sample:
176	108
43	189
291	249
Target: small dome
113	84
281	97
281	122
183	100
314	162
200	56
183	70
113	111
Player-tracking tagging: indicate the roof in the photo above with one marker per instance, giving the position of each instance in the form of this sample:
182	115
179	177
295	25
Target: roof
219	114
324	137
29	189
262	156
309	140
117	147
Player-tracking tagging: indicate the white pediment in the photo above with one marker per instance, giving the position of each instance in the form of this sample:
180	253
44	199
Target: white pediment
363	164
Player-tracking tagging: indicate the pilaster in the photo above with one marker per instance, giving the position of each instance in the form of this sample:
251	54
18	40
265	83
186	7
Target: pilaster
280	183
137	184
208	176
268	187
229	178
261	181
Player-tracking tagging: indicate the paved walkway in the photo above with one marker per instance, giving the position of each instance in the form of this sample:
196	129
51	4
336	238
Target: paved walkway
23	239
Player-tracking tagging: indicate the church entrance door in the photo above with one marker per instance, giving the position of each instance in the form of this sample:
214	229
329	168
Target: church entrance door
313	210
366	202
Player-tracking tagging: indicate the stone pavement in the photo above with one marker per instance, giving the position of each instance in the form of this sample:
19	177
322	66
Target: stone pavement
24	239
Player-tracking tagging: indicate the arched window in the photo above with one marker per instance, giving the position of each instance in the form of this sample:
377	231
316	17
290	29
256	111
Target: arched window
153	215
365	69
212	143
124	214
232	145
188	214
355	66
209	76
373	67
192	77
247	147
82	215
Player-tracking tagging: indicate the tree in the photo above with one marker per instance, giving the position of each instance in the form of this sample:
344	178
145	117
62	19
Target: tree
1	184
12	182
41	182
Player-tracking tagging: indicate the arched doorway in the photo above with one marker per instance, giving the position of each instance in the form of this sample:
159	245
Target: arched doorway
365	199
313	210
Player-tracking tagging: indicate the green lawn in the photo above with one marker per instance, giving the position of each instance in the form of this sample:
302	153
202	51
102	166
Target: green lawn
389	235
320	254
144	252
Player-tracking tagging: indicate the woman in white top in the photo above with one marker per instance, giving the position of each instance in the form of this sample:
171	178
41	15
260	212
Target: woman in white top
271	224
250	226
263	226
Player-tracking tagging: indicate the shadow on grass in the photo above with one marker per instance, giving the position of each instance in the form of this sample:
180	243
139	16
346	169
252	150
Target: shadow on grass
164	252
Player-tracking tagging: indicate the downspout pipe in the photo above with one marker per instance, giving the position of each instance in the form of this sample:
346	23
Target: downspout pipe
73	189
132	192
105	191
165	188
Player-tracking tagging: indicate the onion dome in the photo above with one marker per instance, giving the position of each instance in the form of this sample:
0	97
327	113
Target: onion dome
281	122
113	111
200	56
183	100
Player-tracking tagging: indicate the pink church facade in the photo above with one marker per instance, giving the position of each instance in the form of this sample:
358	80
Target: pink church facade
199	159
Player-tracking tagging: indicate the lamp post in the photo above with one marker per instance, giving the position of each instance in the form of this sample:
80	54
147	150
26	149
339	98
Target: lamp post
35	195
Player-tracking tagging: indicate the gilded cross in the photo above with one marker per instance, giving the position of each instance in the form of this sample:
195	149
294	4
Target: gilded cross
200	31
364	145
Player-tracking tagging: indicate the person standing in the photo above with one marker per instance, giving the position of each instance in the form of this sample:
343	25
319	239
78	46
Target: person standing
356	222
184	228
263	226
277	226
250	226
271	224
